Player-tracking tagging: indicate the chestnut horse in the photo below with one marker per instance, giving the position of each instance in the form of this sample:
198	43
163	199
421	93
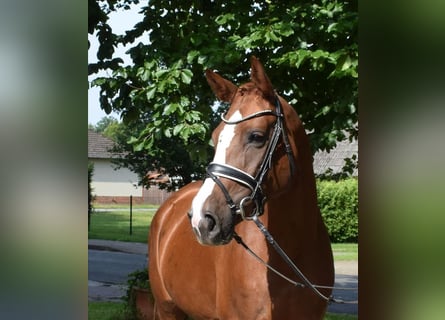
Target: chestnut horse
262	171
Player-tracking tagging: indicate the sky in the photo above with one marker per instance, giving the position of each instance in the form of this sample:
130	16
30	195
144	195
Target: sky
119	22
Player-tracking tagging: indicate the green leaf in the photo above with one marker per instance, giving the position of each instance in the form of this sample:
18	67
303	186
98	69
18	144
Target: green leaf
285	29
192	55
273	36
194	116
138	147
186	76
224	18
319	54
323	111
346	64
98	82
160	73
145	76
121	73
151	93
332	27
302	55
168	132
178	129
170	108
177	65
185	101
202	59
104	104
132	140
149	143
185	133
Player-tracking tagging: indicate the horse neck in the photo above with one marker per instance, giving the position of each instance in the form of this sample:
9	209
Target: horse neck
296	207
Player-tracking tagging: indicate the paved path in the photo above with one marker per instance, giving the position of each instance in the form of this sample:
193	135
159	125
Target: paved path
133	256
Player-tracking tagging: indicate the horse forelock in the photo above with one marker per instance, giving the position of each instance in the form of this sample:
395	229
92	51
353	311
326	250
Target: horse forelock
252	88
249	99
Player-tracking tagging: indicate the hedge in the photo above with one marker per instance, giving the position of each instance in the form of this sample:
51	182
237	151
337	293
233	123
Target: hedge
338	202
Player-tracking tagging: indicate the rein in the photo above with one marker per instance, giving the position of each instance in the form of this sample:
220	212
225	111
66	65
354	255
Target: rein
306	283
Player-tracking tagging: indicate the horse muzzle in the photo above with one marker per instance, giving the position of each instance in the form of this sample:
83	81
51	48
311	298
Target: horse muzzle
212	230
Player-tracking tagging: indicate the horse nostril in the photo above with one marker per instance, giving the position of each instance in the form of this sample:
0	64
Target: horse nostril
210	220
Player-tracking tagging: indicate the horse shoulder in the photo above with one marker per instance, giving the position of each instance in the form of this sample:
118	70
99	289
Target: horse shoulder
173	210
167	219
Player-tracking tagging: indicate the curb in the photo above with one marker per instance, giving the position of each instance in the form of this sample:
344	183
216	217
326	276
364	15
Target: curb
118	246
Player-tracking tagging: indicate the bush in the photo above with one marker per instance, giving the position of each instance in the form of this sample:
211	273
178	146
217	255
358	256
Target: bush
139	299
338	202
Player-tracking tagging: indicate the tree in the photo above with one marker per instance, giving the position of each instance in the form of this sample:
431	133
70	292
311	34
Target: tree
309	49
104	123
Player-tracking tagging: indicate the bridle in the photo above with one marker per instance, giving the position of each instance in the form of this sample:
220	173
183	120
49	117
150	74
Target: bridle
217	170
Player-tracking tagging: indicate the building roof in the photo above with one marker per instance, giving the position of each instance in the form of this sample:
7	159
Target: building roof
335	159
99	146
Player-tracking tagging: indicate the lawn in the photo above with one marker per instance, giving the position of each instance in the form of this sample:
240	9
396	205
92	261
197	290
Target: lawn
113	223
345	251
106	311
116	311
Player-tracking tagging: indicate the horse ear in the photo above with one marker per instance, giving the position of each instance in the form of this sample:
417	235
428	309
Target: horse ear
223	89
260	79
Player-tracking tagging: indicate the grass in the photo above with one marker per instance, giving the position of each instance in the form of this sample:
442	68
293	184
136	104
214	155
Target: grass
116	311
115	225
106	311
337	316
345	251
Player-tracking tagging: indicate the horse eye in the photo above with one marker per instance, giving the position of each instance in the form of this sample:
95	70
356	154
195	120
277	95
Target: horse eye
257	138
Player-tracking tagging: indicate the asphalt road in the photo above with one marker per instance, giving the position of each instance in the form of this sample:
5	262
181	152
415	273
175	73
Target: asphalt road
113	267
350	283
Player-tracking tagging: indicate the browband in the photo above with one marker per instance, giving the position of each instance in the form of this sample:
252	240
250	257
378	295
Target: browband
251	116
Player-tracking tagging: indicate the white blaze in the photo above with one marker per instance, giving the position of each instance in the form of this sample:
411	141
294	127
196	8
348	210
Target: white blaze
224	140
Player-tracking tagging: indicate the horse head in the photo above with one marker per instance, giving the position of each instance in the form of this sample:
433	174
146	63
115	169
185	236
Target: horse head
251	144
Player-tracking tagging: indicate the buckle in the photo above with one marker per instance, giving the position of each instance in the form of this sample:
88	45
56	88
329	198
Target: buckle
257	211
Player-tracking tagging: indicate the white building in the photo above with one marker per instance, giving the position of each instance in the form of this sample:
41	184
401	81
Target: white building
110	185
